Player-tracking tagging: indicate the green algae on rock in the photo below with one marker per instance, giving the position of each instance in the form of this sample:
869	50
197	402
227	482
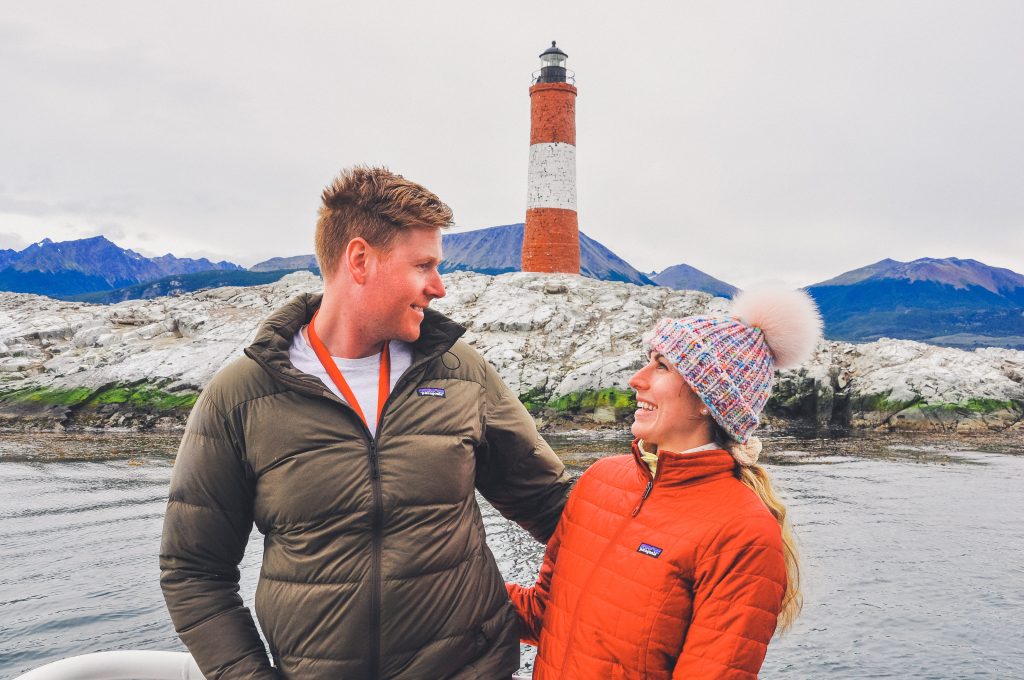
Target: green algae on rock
135	406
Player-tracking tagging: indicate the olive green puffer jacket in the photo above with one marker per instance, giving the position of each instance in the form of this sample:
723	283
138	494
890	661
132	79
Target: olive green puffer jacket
375	563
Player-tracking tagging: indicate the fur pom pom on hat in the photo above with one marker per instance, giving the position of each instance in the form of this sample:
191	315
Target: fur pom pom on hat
730	363
789	320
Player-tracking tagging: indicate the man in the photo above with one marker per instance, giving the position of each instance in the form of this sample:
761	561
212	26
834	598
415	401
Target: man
355	442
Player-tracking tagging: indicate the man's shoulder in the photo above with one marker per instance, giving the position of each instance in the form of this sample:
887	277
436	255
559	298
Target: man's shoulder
468	355
461	362
239	381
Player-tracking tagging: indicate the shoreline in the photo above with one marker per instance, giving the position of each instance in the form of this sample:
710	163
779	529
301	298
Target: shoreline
578	448
161	408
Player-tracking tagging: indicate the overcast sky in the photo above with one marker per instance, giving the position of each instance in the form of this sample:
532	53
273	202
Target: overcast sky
757	141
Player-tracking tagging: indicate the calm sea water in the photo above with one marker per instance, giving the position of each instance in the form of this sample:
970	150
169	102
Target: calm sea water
913	552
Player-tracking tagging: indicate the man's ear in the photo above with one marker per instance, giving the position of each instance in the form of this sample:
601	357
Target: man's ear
357	255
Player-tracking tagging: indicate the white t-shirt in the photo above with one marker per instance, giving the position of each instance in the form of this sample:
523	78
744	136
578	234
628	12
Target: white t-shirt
362	375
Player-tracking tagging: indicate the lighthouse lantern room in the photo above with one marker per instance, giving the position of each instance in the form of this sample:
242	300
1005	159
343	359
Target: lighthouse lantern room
553	68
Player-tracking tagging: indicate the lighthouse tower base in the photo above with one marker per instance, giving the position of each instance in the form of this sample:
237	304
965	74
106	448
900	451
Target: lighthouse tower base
551	241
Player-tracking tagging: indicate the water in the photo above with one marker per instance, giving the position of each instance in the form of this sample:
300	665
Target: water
913	566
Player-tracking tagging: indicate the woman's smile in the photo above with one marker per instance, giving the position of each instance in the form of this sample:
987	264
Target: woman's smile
666	408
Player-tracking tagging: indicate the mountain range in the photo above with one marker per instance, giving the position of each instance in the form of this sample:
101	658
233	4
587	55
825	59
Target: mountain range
946	301
181	283
685	277
291	263
88	265
498	250
949	301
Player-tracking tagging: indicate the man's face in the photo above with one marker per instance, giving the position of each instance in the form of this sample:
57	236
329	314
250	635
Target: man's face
402	282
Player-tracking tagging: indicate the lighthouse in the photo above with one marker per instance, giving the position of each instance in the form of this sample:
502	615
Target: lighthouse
551	239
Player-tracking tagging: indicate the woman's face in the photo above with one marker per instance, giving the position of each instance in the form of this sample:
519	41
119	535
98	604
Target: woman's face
667	411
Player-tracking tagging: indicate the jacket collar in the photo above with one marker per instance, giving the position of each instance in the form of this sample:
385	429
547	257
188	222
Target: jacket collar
686	468
274	338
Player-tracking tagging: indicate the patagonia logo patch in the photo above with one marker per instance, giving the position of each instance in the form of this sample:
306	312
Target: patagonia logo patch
649	550
430	391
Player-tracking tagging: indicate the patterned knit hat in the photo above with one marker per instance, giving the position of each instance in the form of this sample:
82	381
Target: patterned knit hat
730	363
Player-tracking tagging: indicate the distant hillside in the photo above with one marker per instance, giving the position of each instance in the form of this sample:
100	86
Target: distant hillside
182	283
293	263
497	250
953	302
952	271
493	250
685	277
87	265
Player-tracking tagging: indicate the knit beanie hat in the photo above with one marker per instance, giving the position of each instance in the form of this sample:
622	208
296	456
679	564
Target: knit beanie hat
730	362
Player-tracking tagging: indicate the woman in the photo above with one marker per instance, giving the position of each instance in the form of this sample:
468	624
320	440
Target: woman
677	561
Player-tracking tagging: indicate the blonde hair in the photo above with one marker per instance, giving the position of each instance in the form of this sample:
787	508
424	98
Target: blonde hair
756	478
374	204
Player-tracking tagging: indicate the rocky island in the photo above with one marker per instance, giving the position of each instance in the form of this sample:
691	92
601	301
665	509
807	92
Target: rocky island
566	344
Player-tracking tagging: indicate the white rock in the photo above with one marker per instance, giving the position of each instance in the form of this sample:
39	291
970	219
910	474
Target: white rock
555	334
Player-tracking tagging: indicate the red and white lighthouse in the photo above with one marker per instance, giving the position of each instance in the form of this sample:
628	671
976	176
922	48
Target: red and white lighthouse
551	242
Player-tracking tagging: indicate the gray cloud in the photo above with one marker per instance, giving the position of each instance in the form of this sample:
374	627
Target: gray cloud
775	141
112	231
124	206
12	241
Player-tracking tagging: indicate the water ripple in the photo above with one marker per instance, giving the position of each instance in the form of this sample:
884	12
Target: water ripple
911	555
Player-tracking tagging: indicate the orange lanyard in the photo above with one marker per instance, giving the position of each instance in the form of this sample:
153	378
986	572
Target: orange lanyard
383	382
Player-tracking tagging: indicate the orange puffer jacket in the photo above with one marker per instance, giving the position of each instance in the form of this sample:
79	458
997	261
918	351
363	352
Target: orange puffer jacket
679	576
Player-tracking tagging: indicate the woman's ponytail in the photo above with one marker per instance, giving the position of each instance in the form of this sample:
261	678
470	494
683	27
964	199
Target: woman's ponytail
756	477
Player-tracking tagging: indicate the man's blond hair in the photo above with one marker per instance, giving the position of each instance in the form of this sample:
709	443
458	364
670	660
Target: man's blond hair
375	204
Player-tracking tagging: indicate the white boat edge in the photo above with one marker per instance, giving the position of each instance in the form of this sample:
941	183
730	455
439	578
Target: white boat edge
123	665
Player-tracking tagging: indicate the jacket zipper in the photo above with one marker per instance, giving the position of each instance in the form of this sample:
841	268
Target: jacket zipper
611	543
377	551
647	492
376	596
377	522
650	486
